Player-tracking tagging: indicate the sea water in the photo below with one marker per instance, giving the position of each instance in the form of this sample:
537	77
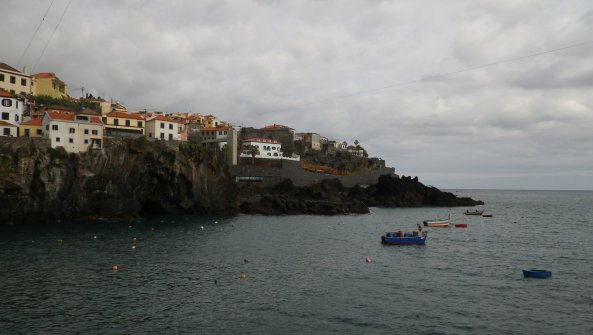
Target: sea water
307	274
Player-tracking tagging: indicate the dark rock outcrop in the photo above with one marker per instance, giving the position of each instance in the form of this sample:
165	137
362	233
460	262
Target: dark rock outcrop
129	178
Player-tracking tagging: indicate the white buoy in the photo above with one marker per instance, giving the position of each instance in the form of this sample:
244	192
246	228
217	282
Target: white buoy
215	222
202	227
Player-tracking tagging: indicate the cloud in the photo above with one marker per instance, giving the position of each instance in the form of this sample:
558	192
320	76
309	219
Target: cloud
348	70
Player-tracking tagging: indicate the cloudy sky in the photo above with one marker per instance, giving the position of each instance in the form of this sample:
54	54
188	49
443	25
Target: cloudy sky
462	94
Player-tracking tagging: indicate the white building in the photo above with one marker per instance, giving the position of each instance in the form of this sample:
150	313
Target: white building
75	132
11	109
8	129
267	148
163	128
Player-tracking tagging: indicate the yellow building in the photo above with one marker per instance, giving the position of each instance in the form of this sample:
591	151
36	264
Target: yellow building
47	83
31	128
120	124
210	121
13	81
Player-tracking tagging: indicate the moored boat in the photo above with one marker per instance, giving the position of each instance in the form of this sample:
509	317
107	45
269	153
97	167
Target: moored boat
436	223
461	225
476	212
397	238
487	215
533	273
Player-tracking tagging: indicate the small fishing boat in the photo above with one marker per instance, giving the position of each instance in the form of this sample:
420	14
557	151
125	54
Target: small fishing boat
476	212
436	223
487	215
533	273
397	238
461	225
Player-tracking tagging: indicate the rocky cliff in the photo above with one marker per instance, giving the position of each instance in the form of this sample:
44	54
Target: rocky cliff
128	178
132	177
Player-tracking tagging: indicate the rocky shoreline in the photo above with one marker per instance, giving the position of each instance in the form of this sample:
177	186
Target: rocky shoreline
135	177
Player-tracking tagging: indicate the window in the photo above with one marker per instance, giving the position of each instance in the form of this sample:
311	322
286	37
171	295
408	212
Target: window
139	124
95	132
23	82
220	133
170	137
5	116
12	79
86	141
70	140
57	139
47	127
6	102
171	126
116	122
6	132
127	123
16	117
39	132
1	76
86	131
162	125
72	131
162	136
54	127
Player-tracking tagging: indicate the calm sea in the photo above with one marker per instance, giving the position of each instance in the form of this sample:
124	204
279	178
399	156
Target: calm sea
307	274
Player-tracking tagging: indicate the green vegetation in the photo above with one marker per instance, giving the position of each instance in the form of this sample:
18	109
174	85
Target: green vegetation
49	101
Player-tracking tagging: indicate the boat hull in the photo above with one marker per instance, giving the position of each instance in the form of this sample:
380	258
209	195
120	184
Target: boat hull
537	274
474	213
436	223
393	240
461	225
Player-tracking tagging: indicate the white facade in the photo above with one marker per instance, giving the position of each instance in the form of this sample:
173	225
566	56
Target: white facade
75	132
163	128
11	109
267	148
8	129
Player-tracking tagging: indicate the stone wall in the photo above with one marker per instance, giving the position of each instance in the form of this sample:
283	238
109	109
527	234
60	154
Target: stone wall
292	170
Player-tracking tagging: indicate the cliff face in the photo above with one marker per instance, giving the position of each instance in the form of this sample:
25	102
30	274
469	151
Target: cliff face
129	178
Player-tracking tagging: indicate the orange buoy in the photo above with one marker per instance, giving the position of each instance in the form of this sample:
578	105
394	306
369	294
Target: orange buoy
242	276
114	267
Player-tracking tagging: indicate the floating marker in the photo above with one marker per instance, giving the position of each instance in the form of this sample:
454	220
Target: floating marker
114	267
367	259
242	276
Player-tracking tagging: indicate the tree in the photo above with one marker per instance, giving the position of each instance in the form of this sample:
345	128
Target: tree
254	151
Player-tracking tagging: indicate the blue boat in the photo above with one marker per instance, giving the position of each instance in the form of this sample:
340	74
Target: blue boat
393	238
533	273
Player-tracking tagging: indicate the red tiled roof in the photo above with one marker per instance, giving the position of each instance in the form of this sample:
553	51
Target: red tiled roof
44	75
261	140
215	129
5	66
32	122
66	116
6	124
162	118
275	126
123	115
6	94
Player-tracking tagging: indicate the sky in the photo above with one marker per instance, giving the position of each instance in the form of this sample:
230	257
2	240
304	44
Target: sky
462	94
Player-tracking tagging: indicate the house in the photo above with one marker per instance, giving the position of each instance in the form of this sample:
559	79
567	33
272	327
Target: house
47	83
11	109
75	132
163	128
31	128
217	135
14	81
266	148
120	124
210	121
8	129
312	141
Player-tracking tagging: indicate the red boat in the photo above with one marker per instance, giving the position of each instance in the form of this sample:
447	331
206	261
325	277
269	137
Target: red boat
461	225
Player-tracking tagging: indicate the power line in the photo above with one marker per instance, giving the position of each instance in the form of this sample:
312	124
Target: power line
52	35
34	34
441	75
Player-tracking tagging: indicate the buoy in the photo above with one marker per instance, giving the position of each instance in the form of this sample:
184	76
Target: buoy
242	276
133	247
367	259
134	240
202	227
152	228
245	260
215	222
95	237
114	267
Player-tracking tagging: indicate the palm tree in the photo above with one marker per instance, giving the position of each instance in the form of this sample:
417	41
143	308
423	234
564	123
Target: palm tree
254	151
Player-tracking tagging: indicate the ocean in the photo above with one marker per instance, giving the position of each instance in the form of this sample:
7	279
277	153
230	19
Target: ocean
307	274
